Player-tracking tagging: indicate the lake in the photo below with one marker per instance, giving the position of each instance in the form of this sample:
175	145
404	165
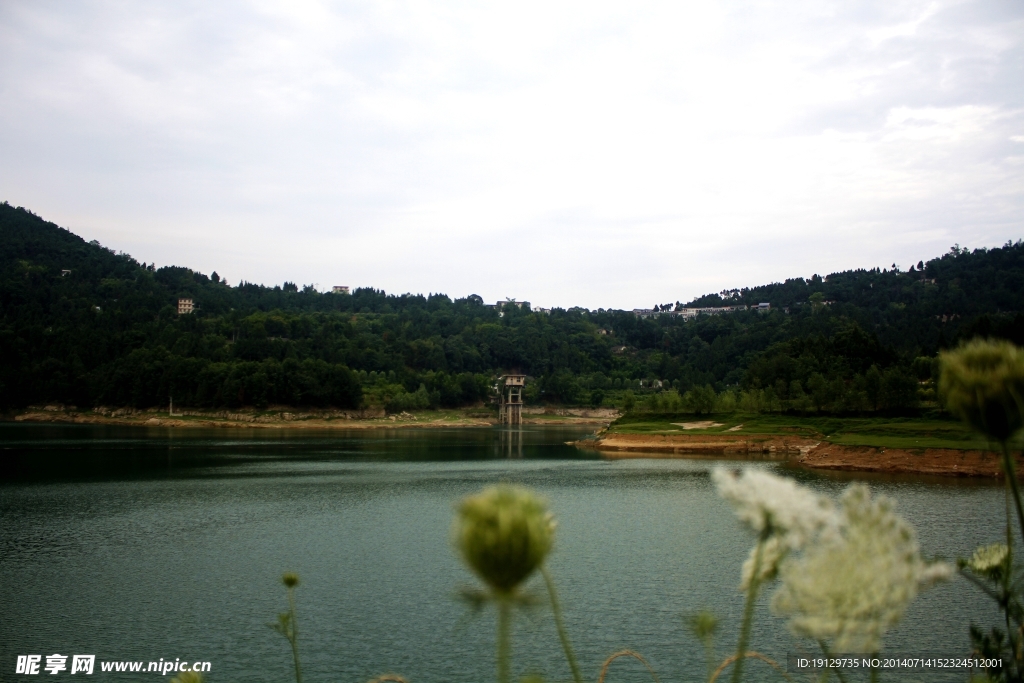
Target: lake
135	544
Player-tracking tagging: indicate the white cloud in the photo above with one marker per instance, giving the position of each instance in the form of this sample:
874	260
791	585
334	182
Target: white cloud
624	154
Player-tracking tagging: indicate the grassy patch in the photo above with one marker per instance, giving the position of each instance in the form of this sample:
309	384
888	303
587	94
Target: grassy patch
882	432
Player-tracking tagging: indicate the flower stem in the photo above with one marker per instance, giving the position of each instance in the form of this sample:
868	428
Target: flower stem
1013	491
294	635
748	612
709	655
1011	479
504	637
560	625
825	651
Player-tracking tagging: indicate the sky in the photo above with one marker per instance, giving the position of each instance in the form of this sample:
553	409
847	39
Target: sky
606	155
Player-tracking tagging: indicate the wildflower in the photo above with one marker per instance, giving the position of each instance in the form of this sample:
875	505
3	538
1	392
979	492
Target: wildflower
769	502
852	588
287	624
983	382
989	560
773	551
504	534
787	514
703	624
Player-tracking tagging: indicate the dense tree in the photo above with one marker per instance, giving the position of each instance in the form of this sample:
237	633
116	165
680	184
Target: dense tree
83	325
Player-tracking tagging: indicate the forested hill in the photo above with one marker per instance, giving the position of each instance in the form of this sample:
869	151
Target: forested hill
85	326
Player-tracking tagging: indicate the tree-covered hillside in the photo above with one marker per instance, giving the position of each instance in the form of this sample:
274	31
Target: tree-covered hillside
83	325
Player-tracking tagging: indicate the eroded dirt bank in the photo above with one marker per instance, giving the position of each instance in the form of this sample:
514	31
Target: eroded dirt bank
950	462
805	452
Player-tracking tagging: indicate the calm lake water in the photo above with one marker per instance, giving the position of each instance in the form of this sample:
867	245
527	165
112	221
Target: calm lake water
136	544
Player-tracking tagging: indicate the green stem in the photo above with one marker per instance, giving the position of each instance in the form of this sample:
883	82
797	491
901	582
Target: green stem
1009	636
874	674
504	637
998	599
294	635
748	612
824	650
560	625
1007	493
1013	488
1011	478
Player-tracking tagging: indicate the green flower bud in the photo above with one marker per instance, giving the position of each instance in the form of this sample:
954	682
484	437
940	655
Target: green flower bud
983	383
188	677
703	625
504	533
290	579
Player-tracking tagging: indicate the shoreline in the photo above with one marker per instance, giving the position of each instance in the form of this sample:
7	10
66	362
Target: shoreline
813	454
294	419
803	452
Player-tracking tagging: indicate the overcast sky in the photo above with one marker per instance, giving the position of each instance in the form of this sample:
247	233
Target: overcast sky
565	153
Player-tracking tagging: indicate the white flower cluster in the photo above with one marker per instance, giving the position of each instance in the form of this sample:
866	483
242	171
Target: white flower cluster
791	515
860	564
989	559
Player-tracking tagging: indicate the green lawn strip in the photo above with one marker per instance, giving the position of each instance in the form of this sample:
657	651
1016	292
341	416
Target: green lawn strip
907	442
880	432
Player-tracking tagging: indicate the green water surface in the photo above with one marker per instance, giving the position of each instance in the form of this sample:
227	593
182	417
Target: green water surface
136	544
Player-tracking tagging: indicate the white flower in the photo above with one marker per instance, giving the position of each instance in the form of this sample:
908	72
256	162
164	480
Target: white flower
988	557
935	572
852	588
773	551
790	514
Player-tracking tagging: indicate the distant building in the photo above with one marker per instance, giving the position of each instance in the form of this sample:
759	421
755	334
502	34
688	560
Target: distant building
185	306
545	311
65	272
339	289
509	302
687	313
764	307
714	310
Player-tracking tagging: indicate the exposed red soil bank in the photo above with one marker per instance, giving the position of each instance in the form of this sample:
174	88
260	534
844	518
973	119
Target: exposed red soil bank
942	461
805	452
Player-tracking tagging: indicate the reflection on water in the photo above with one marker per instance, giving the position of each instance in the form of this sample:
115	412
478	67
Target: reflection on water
142	544
90	451
510	441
